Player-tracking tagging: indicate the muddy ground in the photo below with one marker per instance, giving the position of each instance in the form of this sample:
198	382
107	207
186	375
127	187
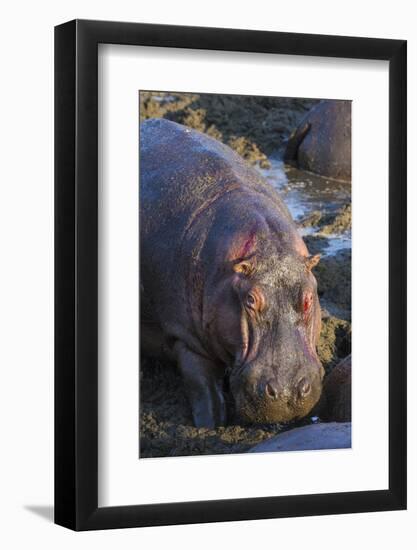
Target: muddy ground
257	128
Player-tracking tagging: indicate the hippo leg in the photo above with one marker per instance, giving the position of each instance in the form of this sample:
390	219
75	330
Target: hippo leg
204	384
153	341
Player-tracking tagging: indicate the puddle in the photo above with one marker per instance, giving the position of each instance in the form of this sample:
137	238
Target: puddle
304	193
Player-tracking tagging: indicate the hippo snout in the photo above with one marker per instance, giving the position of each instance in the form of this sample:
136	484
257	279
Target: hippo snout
272	391
267	399
303	388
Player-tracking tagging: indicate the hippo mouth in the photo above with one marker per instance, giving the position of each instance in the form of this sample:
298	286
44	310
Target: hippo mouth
261	412
259	402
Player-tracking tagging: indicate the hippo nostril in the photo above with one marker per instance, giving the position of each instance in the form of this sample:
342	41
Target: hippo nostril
304	388
271	391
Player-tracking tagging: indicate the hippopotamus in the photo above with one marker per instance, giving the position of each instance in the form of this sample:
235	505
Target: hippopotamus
322	141
335	404
226	284
314	437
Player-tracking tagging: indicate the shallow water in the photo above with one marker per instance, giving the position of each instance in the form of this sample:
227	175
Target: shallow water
304	192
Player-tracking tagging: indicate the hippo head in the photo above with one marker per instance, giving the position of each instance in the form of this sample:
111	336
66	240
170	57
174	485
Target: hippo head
269	323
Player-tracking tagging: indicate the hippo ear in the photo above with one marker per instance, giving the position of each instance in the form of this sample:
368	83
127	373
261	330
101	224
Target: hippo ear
246	267
312	261
241	245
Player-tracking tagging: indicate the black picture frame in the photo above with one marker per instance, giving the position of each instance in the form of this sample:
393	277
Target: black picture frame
76	271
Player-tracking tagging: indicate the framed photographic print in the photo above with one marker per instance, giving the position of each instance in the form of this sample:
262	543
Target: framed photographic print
230	275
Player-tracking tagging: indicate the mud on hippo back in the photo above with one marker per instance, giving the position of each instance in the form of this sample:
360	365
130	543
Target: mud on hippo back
227	290
322	142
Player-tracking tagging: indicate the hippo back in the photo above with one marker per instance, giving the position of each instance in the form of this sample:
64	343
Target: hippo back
183	173
181	169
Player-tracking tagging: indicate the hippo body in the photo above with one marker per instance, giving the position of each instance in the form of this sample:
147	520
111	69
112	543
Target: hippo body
226	287
322	142
315	437
335	404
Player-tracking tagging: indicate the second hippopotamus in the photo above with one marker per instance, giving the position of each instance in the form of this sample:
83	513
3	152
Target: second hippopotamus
322	142
227	290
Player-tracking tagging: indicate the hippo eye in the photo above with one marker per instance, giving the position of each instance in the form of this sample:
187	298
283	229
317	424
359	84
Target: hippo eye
255	300
250	300
307	303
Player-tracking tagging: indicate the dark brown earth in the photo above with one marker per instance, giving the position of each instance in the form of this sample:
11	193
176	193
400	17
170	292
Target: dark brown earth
333	275
328	223
256	127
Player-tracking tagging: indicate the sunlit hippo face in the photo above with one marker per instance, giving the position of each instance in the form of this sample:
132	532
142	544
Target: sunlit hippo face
272	331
